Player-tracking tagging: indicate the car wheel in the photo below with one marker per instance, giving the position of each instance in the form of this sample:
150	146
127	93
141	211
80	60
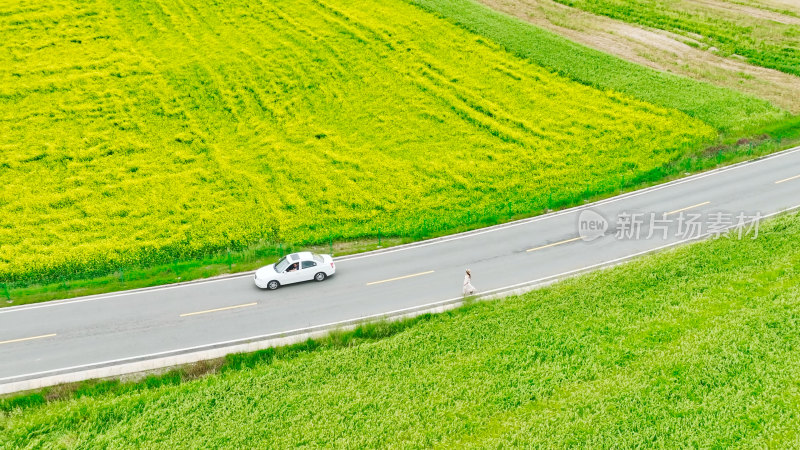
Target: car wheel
272	285
320	276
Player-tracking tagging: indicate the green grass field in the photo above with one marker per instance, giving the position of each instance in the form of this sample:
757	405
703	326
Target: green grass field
138	133
768	40
696	346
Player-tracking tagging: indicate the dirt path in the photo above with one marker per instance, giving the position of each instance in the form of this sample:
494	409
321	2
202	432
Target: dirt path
658	49
751	11
780	5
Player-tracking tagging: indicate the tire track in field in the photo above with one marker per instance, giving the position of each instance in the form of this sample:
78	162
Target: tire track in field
213	155
546	139
468	104
390	51
410	66
239	181
301	53
296	200
305	47
464	101
341	153
469	112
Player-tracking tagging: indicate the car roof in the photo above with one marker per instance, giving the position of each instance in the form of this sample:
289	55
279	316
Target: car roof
300	255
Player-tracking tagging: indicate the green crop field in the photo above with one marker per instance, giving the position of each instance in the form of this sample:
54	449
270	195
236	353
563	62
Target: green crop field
697	346
140	132
768	37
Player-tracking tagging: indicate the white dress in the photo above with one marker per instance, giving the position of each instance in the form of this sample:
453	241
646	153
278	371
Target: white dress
469	289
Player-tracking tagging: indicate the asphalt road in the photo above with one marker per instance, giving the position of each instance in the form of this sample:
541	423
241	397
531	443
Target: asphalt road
42	339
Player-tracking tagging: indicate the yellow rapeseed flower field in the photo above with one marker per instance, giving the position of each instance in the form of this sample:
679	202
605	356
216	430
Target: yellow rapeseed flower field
133	132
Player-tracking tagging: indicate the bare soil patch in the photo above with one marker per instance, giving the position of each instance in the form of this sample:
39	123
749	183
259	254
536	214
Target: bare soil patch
751	11
659	49
792	6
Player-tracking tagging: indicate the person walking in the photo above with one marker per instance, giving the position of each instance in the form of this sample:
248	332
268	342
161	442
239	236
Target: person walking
469	289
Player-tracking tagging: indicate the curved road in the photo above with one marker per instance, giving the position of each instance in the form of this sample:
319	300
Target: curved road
70	335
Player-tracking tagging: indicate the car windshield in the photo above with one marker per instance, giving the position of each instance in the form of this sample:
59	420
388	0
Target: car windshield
281	265
318	258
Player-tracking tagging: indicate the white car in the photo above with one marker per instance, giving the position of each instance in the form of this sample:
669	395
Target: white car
294	268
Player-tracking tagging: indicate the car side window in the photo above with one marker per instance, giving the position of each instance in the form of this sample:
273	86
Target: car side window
308	264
